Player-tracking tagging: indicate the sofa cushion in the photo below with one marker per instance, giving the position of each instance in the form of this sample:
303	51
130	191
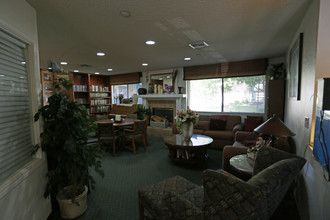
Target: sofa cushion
251	124
224	135
199	131
217	124
202	125
232	120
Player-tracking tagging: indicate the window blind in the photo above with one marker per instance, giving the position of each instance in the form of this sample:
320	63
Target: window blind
15	116
128	78
224	70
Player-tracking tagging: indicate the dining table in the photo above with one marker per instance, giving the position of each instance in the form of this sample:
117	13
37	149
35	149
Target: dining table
120	126
122	123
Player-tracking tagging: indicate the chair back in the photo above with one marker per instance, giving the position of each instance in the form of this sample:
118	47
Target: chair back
101	117
140	127
105	129
132	116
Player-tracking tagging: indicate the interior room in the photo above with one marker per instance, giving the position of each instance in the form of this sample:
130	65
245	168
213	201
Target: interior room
164	109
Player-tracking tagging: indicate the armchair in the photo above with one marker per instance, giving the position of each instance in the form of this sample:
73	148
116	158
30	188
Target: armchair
223	196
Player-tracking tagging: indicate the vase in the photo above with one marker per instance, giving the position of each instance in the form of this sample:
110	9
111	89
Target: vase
135	99
187	130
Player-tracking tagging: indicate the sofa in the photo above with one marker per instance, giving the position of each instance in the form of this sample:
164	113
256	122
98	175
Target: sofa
224	196
221	128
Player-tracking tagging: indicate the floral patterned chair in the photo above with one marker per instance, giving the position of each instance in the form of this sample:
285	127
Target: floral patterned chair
224	196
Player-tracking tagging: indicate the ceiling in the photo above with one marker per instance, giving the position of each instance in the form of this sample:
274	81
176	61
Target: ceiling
74	31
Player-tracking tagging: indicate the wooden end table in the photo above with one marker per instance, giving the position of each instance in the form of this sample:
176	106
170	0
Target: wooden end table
192	151
242	165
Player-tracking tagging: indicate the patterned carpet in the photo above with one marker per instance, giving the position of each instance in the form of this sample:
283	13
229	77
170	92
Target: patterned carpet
116	195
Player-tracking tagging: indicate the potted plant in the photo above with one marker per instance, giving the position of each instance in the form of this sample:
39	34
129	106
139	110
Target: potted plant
64	139
276	71
142	111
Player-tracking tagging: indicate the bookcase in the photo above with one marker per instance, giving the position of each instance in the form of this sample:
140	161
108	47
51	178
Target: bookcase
93	91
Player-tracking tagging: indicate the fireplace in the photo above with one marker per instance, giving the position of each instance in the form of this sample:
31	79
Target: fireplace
164	112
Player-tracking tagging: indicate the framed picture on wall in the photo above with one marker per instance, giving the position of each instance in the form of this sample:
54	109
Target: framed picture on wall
295	64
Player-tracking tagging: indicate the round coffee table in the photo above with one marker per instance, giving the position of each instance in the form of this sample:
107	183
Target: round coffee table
192	151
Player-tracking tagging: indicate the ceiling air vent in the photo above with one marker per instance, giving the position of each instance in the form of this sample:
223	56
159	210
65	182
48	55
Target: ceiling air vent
85	65
198	45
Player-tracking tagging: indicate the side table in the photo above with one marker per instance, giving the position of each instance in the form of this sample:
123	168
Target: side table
242	165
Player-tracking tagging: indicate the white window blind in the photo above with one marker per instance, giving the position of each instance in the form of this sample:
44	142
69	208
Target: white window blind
15	117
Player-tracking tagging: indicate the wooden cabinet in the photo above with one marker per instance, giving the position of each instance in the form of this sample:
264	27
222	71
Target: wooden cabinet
93	91
276	98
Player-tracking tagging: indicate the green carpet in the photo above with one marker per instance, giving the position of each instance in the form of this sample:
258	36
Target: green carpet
116	195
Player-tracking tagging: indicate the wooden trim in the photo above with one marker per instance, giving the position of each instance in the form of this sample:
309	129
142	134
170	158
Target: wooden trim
128	78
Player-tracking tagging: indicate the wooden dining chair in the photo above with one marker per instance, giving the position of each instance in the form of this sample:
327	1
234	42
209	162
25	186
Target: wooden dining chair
138	132
106	133
101	117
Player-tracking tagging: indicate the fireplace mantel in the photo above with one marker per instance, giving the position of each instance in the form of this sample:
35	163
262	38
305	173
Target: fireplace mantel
180	99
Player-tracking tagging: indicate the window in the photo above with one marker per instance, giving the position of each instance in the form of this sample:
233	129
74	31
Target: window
127	90
236	94
205	95
15	116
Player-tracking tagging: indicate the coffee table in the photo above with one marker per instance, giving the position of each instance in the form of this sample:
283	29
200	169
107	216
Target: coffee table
192	151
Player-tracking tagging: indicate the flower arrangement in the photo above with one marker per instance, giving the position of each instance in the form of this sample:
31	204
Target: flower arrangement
185	116
252	152
167	88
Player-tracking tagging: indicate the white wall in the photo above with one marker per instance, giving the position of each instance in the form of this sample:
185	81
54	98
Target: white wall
312	190
21	195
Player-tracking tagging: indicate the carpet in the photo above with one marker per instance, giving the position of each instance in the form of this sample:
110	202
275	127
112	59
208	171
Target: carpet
116	195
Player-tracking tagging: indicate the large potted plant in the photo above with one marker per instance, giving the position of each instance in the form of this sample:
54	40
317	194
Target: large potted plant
64	139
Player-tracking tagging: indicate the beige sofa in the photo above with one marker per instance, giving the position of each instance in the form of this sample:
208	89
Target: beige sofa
221	138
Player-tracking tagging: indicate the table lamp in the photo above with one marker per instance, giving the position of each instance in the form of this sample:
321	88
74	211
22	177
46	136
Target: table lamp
275	128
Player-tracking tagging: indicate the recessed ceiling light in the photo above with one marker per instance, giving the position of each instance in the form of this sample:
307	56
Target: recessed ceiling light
76	71
2	75
144	64
168	77
100	54
150	42
49	68
125	14
64	63
22	77
23	62
109	69
187	58
97	73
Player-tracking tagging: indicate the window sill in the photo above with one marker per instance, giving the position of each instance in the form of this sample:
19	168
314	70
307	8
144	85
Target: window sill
19	176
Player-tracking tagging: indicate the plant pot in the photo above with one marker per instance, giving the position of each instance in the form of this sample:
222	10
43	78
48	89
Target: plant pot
70	210
187	130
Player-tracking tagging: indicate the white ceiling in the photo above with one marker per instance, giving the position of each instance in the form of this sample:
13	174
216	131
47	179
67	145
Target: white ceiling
74	31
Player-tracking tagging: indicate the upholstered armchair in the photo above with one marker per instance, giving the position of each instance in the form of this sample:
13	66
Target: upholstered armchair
224	196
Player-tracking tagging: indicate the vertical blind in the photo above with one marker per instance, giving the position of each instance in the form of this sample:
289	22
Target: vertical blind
15	117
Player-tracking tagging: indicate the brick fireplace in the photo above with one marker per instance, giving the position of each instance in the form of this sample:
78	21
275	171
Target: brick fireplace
165	101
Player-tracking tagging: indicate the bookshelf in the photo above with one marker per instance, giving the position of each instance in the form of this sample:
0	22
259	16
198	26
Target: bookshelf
93	91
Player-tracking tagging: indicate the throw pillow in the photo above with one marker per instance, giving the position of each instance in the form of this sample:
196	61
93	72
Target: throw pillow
217	124
250	124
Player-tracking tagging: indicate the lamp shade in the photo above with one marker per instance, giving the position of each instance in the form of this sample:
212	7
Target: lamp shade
275	127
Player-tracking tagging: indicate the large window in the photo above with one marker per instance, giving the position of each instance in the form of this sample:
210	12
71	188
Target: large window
127	90
15	116
238	94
